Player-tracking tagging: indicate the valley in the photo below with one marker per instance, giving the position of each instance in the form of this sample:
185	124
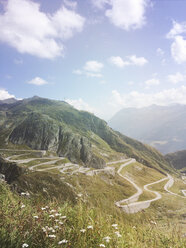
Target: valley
52	154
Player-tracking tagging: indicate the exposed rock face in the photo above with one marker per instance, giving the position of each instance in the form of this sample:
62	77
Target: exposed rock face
10	170
41	132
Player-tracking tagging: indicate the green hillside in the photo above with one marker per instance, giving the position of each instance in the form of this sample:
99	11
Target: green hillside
80	136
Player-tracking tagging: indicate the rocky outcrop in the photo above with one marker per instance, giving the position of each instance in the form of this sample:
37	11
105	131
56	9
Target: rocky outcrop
10	170
40	132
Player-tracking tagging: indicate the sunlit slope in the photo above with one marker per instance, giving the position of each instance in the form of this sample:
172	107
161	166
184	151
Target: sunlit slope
80	136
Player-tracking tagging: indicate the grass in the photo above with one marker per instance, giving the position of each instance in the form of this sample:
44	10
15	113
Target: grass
18	226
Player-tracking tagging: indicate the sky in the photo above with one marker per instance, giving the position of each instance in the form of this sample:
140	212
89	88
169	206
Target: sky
98	55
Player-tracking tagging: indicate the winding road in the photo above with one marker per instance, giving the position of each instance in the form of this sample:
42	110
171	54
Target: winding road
129	205
132	204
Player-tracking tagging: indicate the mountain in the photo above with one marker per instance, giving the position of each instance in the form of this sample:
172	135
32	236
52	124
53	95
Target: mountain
163	127
8	101
83	138
177	159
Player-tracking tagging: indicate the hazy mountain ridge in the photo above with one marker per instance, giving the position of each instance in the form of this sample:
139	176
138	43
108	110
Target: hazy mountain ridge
78	135
160	126
177	159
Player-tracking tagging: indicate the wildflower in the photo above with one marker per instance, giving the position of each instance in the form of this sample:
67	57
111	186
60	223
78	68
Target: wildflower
27	194
64	241
118	234
22	206
57	214
83	230
56	220
63	217
80	195
36	217
102	245
61	223
51	236
134	227
47	207
50	228
44	230
22	193
89	227
25	245
52	211
115	226
56	227
107	239
51	216
43	208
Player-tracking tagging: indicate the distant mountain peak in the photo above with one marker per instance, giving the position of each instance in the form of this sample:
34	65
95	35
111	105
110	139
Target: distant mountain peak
8	101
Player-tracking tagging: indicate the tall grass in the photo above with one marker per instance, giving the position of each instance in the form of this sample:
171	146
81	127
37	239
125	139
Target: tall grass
53	224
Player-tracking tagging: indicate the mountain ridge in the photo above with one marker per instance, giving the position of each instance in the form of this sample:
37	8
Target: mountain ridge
41	123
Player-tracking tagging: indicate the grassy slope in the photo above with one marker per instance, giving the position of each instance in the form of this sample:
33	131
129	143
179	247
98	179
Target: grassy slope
103	138
19	226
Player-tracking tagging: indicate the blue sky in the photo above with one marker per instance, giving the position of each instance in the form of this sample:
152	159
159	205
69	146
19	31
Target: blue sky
98	55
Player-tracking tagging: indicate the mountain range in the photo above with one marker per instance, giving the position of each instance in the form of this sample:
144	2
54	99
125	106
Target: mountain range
162	127
44	124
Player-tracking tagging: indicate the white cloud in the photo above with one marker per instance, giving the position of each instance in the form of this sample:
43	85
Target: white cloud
178	49
177	29
70	4
93	66
138	99
91	69
80	105
132	60
139	61
118	61
160	52
152	81
125	14
176	78
100	3
37	81
178	46
5	95
25	27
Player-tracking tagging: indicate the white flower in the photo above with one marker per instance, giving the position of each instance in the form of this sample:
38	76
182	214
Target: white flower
56	227
36	217
25	245
27	194
118	234
61	223
52	211
102	245
56	220
115	226
89	227
22	206
83	230
51	236
43	208
47	207
57	214
107	239
63	217
80	195
22	193
44	230
51	216
64	241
